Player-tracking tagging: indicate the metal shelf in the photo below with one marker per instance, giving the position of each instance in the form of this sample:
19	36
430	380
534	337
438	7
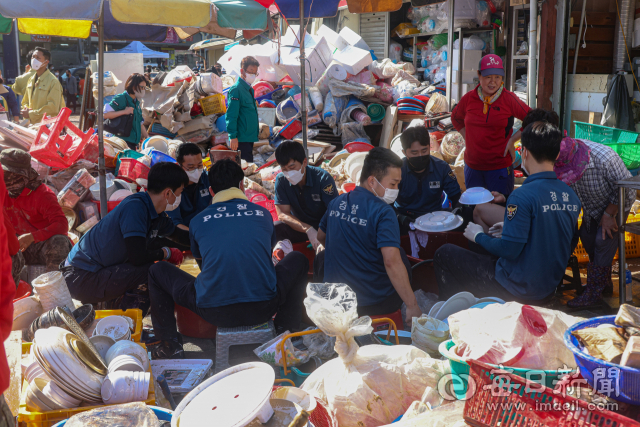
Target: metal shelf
517	57
434	33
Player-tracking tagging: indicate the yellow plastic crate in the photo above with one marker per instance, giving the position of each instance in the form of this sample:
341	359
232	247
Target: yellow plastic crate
631	243
213	104
50	418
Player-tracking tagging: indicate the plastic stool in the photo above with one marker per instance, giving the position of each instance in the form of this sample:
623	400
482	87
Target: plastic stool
59	151
395	316
227	337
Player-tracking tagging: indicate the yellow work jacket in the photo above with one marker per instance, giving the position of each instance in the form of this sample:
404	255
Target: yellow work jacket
43	95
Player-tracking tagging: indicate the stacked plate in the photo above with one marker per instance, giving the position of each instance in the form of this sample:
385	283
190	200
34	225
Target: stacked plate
128	348
35	371
124	387
125	363
70	364
411	105
103	343
115	327
61	399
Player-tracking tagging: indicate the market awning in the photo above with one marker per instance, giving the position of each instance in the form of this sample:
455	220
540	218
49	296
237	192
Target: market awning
172	13
290	9
116	30
6	24
137	47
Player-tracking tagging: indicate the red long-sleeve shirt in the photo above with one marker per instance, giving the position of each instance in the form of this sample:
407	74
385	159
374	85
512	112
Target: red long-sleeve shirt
7	292
487	134
37	212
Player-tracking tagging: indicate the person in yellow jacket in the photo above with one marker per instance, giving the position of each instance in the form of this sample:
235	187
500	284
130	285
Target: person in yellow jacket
43	93
20	85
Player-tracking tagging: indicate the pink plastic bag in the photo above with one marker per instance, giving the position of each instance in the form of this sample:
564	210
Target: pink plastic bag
364	77
386	92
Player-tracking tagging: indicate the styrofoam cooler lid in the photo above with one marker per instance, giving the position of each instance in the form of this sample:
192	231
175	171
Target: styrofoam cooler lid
233	401
438	221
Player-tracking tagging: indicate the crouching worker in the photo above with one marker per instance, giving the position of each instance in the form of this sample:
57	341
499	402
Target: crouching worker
33	210
539	233
303	193
425	179
362	241
114	257
238	285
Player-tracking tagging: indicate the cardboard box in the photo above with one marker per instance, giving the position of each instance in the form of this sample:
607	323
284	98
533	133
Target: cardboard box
335	40
353	59
354	39
318	57
470	60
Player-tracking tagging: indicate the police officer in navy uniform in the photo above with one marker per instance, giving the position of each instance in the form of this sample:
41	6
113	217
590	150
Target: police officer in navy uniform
238	285
362	241
424	179
195	197
529	252
303	194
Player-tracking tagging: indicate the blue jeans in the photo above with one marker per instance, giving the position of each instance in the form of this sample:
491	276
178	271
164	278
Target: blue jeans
500	180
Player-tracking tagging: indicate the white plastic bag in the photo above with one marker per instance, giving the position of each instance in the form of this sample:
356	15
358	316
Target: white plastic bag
369	386
427	333
395	51
513	335
178	74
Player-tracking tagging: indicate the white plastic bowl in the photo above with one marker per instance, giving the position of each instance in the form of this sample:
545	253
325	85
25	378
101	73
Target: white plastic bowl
438	222
476	196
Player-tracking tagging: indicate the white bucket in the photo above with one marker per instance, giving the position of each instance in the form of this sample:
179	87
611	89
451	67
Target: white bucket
95	190
52	291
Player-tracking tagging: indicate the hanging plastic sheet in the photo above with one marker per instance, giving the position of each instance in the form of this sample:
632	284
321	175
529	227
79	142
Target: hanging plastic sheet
617	105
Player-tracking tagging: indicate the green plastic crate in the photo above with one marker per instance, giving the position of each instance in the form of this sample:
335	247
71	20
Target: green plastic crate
604	134
629	153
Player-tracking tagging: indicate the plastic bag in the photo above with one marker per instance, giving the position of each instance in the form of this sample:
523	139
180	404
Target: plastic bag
617	105
404	88
384	92
269	352
628	316
270	173
364	77
419	415
513	335
340	88
425	302
353	131
604	343
333	107
135	414
483	14
383	69
320	345
427	333
316	98
178	74
76	189
395	51
110	79
368	386
404	76
523	49
471	43
452	144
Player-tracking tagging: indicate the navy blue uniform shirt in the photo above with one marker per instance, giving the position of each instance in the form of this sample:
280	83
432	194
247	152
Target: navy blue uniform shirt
309	203
422	194
194	200
358	225
234	241
103	246
543	214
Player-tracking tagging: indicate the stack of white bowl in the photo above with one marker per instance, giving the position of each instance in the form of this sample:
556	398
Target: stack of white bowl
103	343
53	291
34	371
115	327
52	349
127	348
125	387
125	363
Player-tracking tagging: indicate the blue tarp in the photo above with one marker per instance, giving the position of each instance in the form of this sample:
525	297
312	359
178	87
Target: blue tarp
312	8
137	47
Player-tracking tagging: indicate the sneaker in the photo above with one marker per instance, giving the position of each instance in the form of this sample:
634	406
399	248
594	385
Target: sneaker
281	250
168	350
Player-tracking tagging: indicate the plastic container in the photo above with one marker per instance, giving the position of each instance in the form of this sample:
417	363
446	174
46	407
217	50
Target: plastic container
22	291
521	403
376	112
628	152
161	413
358	147
192	325
157	142
53	291
261	199
476	196
214	104
291	129
95	190
604	134
438	222
267	116
134	314
628	387
159	157
221	123
131	169
110	205
348	187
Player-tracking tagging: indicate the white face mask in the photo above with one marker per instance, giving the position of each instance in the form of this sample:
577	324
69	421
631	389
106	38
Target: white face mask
175	205
294	176
194	175
139	94
390	195
35	64
250	78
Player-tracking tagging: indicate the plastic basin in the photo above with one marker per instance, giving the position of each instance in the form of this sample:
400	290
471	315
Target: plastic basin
628	387
192	325
358	147
22	291
161	413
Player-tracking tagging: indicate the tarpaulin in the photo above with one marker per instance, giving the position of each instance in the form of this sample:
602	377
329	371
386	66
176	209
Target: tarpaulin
83	10
241	14
116	30
173	13
312	8
211	28
55	27
5	25
369	6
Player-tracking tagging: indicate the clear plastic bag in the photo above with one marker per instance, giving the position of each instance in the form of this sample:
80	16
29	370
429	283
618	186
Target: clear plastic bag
368	386
471	43
269	352
428	333
395	51
523	49
483	14
135	414
320	345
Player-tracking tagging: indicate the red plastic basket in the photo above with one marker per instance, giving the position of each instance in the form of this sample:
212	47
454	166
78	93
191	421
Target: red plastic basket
131	169
261	200
502	399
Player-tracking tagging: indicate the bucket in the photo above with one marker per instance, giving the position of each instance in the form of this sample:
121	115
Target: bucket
287	110
22	291
159	157
52	290
376	112
192	325
278	96
95	189
157	142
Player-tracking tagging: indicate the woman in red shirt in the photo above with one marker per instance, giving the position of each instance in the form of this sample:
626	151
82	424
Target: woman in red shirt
485	118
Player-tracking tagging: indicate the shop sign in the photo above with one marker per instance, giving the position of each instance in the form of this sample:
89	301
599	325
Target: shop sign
41	39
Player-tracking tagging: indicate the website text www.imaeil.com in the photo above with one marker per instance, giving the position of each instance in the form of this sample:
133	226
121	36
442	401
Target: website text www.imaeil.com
564	382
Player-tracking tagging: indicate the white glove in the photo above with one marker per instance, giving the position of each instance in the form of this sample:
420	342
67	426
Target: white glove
313	237
496	230
472	231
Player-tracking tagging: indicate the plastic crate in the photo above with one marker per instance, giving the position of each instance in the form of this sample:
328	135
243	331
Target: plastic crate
213	104
629	153
131	169
133	313
504	399
604	134
50	418
628	388
631	243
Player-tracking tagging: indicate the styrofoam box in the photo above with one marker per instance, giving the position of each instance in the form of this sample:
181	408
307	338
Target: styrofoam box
465	9
334	39
318	59
354	39
470	59
465	76
353	59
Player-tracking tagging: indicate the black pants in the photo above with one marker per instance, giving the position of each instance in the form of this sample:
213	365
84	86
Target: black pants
105	284
246	151
389	305
283	231
72	99
458	270
168	286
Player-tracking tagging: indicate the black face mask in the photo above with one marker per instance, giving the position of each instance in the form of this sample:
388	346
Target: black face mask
419	163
